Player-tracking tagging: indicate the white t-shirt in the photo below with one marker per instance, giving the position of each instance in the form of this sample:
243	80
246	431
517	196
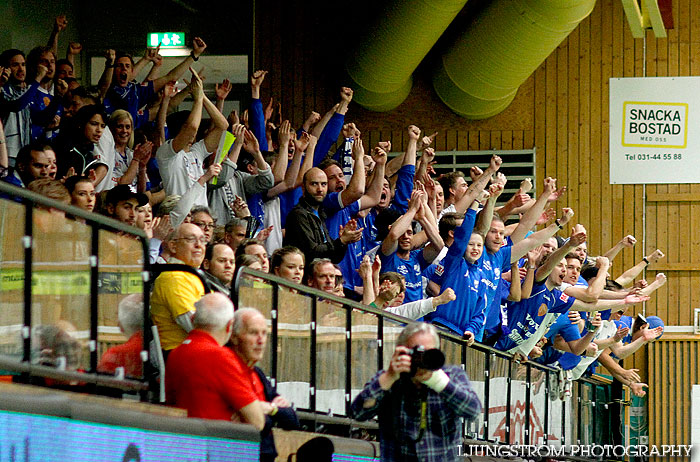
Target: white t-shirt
104	152
181	170
273	218
607	330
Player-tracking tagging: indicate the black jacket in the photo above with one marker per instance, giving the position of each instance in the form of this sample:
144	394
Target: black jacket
286	418
308	232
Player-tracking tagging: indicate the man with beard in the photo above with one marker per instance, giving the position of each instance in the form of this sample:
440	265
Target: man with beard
15	97
122	202
306	227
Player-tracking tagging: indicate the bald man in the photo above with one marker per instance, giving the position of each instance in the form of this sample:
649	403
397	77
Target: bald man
176	290
248	341
207	378
306	223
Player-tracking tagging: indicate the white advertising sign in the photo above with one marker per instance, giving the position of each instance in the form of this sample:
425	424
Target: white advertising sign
655	130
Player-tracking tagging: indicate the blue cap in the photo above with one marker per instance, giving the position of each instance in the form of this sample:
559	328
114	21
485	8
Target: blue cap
654	322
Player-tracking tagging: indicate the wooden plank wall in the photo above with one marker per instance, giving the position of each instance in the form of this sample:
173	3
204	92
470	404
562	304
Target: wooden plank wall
562	110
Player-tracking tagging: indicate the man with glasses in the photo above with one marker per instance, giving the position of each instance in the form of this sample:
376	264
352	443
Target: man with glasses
201	216
176	289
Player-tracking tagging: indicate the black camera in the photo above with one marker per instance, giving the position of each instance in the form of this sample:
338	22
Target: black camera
432	359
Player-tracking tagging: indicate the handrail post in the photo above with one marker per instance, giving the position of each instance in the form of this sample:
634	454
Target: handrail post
148	366
312	365
27	242
380	343
94	280
487	390
528	387
348	359
508	400
274	336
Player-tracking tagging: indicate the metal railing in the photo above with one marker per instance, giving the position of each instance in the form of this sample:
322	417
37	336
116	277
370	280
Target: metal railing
62	273
323	348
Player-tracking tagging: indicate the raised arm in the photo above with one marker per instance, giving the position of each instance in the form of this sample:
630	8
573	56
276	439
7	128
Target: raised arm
198	47
483	223
527	222
659	281
373	193
595	285
106	77
222	92
532	257
577	237
219	124
188	132
290	176
400	226
540	237
478	185
59	26
628	276
368	295
628	241
356	187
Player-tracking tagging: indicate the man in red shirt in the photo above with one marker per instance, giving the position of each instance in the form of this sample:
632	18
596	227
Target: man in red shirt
128	354
206	378
248	341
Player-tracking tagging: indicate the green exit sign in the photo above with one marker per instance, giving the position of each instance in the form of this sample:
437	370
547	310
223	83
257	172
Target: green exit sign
166	39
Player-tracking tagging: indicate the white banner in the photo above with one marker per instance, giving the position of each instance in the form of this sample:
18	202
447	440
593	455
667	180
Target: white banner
655	130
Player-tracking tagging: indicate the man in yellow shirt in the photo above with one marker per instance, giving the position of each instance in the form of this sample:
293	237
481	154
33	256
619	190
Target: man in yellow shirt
175	292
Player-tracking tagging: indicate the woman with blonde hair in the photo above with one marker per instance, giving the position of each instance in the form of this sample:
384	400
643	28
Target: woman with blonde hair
129	161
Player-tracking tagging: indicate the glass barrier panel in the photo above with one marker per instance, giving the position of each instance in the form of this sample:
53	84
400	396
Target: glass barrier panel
12	216
120	288
293	347
586	417
555	435
475	366
330	357
391	332
255	293
518	392
498	395
364	350
60	291
538	403
603	414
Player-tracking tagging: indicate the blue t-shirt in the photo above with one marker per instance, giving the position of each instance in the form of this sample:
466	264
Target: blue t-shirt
466	313
131	98
525	317
493	265
337	216
410	269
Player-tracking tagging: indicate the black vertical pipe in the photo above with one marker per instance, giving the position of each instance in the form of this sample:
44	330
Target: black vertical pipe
28	261
94	276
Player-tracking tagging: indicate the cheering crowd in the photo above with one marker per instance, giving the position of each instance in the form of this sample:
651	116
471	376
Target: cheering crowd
310	202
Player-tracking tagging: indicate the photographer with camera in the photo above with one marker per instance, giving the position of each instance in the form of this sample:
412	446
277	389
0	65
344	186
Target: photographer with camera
419	401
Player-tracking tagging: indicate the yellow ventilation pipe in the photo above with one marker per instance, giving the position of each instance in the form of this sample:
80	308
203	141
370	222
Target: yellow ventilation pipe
381	66
480	72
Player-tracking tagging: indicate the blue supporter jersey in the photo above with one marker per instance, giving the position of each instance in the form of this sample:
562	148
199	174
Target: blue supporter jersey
410	269
493	265
39	110
403	188
131	98
466	313
528	320
337	216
